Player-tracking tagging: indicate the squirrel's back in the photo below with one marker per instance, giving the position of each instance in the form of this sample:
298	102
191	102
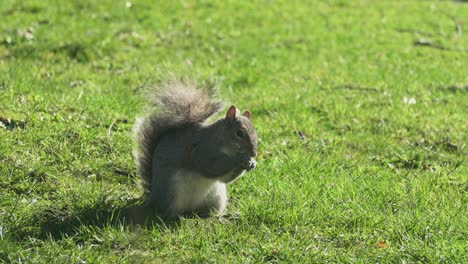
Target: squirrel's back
173	104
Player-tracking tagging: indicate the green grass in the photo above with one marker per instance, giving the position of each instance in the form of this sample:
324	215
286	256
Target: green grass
344	162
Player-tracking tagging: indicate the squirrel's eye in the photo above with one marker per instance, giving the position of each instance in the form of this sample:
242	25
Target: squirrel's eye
240	134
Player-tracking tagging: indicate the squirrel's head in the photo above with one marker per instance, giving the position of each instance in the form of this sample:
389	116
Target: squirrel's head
240	135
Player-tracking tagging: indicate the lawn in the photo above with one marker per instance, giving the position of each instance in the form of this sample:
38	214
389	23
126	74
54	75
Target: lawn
361	109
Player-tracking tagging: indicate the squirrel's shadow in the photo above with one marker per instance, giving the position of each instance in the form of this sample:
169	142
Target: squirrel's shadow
57	223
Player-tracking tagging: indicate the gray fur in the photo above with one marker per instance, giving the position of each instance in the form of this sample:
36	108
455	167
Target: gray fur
172	104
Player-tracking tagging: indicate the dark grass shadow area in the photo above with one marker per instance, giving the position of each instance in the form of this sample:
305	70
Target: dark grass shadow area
62	222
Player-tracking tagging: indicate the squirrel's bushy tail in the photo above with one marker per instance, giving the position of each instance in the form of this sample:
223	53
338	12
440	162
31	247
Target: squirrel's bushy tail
173	103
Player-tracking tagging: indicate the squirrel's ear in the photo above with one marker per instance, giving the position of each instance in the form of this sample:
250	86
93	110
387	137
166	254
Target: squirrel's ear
231	113
246	114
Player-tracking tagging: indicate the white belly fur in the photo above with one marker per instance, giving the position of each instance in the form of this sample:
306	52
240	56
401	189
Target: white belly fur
193	191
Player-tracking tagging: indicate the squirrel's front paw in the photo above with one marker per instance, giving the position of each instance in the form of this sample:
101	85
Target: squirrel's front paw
252	163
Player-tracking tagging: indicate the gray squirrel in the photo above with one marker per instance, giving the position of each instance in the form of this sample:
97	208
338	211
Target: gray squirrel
184	163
